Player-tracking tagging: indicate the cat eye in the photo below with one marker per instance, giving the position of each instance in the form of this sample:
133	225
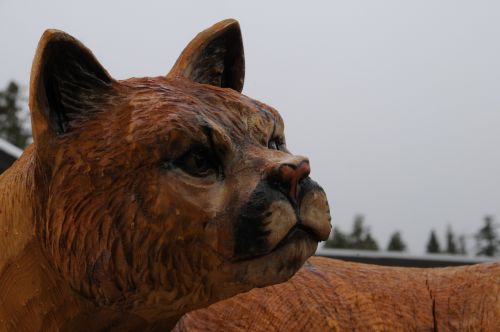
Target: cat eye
276	144
198	162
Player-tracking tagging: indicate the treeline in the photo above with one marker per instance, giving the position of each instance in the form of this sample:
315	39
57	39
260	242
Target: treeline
487	240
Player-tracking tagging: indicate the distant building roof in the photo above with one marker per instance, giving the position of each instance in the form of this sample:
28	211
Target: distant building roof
10	148
8	154
402	259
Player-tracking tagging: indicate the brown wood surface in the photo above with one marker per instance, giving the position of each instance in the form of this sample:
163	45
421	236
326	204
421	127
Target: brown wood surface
333	295
140	200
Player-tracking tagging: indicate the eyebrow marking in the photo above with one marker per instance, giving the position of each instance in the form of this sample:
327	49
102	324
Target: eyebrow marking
264	111
274	128
208	130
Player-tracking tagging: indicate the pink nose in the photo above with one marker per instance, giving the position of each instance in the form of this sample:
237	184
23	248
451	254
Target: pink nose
290	175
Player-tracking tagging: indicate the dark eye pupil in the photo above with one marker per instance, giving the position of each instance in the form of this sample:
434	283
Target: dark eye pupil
199	162
273	145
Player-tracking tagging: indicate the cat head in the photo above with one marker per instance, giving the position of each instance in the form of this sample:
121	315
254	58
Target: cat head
163	194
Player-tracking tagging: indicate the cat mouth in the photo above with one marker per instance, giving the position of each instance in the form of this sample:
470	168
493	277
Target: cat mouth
297	229
270	222
299	232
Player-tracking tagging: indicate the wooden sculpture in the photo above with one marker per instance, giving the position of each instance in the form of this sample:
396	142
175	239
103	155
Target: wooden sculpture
333	295
144	199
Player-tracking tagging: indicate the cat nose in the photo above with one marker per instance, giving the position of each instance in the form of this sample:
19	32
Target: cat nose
288	176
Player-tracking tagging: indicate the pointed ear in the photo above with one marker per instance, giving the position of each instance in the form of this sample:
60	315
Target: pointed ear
215	56
67	84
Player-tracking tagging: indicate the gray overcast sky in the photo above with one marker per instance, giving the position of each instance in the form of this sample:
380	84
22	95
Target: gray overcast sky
396	103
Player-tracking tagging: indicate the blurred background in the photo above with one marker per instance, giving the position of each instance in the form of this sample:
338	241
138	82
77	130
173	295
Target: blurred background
396	103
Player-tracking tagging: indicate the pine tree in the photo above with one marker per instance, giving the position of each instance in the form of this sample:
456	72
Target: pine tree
487	240
11	123
396	243
360	237
358	231
433	244
462	248
451	246
337	240
369	242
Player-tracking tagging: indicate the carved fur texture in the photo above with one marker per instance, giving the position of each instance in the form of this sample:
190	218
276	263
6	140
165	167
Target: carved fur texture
333	295
143	199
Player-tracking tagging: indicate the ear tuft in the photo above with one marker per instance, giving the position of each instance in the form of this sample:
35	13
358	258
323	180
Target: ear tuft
215	56
67	83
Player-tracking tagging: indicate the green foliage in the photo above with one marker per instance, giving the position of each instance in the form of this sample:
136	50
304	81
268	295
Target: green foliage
487	241
368	243
451	246
11	122
396	243
338	240
360	237
433	244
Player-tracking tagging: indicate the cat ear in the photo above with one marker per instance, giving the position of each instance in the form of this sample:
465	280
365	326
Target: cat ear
67	84
215	56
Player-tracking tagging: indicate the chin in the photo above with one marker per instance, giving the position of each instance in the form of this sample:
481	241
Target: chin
280	264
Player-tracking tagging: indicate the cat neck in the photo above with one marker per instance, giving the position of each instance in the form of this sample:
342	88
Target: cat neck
33	296
29	290
16	211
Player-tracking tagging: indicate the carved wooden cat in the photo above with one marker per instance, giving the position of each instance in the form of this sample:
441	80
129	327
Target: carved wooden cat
144	199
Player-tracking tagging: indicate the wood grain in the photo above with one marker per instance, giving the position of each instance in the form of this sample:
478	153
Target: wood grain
333	295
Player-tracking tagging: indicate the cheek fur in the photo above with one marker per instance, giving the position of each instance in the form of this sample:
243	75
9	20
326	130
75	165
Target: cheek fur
280	221
315	213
